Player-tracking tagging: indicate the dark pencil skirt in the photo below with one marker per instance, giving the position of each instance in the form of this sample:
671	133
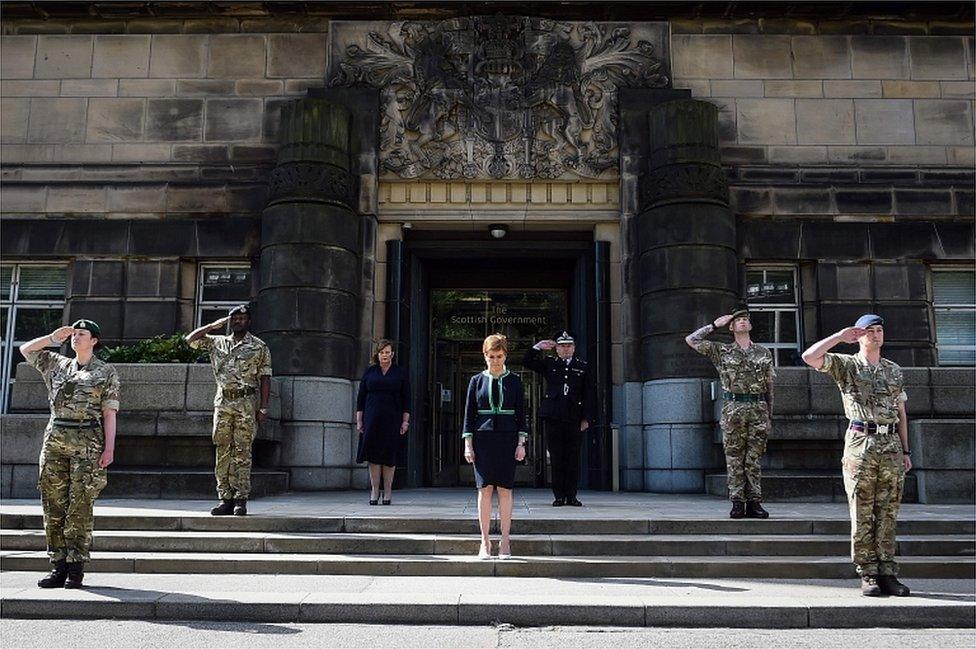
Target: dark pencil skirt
494	458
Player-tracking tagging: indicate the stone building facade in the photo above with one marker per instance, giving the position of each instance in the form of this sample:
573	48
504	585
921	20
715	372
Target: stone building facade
646	171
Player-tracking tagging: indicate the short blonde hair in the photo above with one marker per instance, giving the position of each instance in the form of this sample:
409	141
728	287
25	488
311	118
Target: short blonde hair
494	342
382	344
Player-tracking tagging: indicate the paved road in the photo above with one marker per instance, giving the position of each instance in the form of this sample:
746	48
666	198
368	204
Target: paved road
110	634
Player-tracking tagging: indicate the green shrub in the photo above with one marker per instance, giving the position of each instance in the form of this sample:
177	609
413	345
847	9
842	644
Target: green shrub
161	349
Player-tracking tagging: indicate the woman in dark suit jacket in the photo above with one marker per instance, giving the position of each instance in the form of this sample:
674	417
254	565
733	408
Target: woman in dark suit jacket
382	418
494	439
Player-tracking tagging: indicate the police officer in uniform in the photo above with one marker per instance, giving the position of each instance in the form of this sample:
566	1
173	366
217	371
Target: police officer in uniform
242	369
566	410
78	446
876	454
746	372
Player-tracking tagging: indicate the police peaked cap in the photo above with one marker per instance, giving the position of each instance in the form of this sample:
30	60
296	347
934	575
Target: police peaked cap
565	338
867	320
241	309
88	325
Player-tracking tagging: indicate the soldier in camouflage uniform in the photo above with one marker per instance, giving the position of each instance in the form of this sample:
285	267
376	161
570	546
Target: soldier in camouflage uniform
242	368
78	446
746	372
876	455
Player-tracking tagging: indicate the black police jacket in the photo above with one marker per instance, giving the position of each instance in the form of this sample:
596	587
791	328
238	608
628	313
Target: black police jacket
570	389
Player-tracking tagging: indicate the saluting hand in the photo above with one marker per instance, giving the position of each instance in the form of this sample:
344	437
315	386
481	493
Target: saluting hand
722	321
218	324
546	345
61	334
851	334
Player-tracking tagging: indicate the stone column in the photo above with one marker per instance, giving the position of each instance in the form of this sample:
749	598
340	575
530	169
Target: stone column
310	290
688	275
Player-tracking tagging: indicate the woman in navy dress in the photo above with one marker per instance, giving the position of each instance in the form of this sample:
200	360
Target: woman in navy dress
382	418
494	439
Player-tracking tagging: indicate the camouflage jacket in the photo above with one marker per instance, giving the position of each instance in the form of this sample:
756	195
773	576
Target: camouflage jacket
75	391
870	392
236	365
743	371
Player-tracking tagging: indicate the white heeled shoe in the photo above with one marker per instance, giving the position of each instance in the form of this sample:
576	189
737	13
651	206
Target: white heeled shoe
484	553
504	556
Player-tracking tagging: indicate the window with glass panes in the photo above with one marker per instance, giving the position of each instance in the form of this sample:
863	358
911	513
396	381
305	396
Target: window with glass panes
773	299
31	305
955	315
220	287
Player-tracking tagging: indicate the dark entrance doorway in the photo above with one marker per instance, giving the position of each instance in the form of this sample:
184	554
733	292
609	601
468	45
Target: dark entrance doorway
445	296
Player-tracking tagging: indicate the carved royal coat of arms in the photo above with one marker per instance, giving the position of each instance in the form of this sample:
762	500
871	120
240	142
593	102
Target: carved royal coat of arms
499	96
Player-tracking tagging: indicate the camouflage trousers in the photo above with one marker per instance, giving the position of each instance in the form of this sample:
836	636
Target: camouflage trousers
745	427
874	475
70	481
234	429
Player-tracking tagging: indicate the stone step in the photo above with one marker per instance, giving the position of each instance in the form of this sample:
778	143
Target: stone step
728	603
797	567
544	545
184	482
802	485
393	524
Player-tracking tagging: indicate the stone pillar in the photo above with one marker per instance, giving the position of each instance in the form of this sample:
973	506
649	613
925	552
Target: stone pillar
688	275
309	298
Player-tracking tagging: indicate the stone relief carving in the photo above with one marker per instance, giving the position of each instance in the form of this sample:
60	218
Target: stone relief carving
499	96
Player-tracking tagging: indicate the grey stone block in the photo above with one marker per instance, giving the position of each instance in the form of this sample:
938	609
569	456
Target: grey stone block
13	120
22	438
945	486
234	119
338	444
200	395
821	57
136	199
884	121
942	443
616	611
360	478
121	56
142	424
174	119
791	88
6	481
953	391
154	396
762	57
186	424
17	57
237	55
152	372
632	395
178	56
114	120
692	446
109	603
937	57
631	447
697	56
825	121
657	446
673	401
262	607
879	57
318	478
23	480
295	56
918	388
57	120
632	480
63	57
728	616
28	395
765	121
364	608
943	121
927	616
808	428
321	399
302	444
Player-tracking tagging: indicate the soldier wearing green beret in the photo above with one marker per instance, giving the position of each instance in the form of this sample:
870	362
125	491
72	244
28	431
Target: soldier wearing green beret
746	372
242	369
79	444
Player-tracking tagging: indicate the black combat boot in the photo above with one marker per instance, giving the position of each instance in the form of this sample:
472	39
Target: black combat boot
240	507
225	508
738	509
869	586
76	574
57	576
891	586
755	510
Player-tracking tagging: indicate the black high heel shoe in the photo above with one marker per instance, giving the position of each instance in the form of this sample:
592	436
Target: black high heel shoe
386	501
374	501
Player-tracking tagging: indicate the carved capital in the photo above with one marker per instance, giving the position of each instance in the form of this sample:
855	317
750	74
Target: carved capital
311	181
685	182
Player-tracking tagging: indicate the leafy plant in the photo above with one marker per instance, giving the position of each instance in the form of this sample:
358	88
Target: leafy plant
160	349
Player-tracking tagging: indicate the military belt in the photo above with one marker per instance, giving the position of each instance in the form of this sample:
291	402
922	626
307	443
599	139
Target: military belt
75	423
871	427
747	398
232	393
496	412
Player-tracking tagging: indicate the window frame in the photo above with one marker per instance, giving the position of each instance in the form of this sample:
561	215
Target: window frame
777	307
200	305
13	304
956	307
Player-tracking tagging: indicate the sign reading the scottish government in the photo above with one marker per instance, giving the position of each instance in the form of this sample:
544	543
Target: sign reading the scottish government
498	96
